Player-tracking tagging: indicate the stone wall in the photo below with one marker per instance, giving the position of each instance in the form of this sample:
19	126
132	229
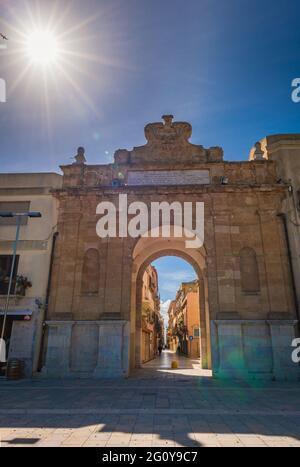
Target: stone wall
97	349
254	349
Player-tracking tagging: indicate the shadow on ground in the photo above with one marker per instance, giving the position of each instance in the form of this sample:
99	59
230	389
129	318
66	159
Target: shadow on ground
155	407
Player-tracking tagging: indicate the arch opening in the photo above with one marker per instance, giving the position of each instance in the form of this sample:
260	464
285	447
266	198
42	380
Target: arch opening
193	338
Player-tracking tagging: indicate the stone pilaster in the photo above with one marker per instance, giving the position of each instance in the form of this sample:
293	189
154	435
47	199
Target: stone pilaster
282	335
231	354
113	349
58	348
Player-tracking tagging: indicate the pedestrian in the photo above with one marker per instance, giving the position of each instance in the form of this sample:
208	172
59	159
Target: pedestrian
160	348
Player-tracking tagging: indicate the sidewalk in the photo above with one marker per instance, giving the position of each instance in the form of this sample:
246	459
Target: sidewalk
162	367
166	359
155	407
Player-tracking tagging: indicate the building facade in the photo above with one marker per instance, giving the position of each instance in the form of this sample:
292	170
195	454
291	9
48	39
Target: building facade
248	313
151	319
284	150
26	313
172	338
184	320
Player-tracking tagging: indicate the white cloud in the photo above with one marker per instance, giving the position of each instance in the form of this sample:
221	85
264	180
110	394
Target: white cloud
170	281
178	276
164	306
170	288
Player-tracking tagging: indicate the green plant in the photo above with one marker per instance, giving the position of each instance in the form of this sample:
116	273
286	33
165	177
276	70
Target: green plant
22	284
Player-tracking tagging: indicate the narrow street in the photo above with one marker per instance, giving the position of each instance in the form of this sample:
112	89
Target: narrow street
162	366
156	406
167	357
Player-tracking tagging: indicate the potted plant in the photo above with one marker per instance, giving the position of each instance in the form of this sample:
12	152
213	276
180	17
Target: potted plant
22	284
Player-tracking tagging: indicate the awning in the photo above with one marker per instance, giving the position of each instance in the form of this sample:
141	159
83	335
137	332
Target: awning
17	313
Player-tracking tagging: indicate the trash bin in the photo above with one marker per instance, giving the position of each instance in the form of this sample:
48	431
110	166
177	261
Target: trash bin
15	369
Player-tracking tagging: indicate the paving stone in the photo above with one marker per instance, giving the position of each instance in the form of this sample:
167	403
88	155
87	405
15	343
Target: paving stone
149	410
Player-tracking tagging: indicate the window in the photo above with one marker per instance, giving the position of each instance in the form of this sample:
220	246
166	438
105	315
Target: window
90	272
14	206
196	332
5	268
249	271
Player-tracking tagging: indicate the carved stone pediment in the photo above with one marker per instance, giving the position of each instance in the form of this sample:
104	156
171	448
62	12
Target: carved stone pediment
168	143
168	133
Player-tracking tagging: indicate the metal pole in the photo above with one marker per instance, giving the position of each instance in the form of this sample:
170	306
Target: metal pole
19	218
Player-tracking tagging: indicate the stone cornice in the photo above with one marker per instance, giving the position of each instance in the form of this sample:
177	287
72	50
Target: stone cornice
162	189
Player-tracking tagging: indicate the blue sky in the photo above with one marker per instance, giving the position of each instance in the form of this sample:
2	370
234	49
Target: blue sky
172	271
226	67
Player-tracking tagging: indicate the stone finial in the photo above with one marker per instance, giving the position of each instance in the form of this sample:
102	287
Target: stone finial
258	153
80	157
168	119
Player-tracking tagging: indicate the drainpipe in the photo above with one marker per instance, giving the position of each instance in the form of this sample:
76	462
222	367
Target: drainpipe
47	300
284	221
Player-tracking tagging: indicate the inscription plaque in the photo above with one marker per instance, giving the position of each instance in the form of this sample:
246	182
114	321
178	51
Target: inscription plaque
166	177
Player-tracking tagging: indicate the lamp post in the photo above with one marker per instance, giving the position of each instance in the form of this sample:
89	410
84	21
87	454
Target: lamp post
18	216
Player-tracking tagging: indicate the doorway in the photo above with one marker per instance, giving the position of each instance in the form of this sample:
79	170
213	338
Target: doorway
183	273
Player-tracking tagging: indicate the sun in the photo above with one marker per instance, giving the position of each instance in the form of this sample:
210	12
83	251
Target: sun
42	48
52	52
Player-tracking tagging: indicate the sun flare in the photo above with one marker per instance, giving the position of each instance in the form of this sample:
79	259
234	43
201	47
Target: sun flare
42	48
52	53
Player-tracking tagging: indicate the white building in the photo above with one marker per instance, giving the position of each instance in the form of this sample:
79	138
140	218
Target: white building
22	193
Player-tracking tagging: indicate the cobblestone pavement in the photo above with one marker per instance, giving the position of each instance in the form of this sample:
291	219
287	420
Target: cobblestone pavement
155	407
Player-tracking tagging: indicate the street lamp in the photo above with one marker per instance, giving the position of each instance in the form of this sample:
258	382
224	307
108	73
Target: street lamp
18	216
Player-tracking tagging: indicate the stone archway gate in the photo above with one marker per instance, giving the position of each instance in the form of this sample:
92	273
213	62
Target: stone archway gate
251	304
